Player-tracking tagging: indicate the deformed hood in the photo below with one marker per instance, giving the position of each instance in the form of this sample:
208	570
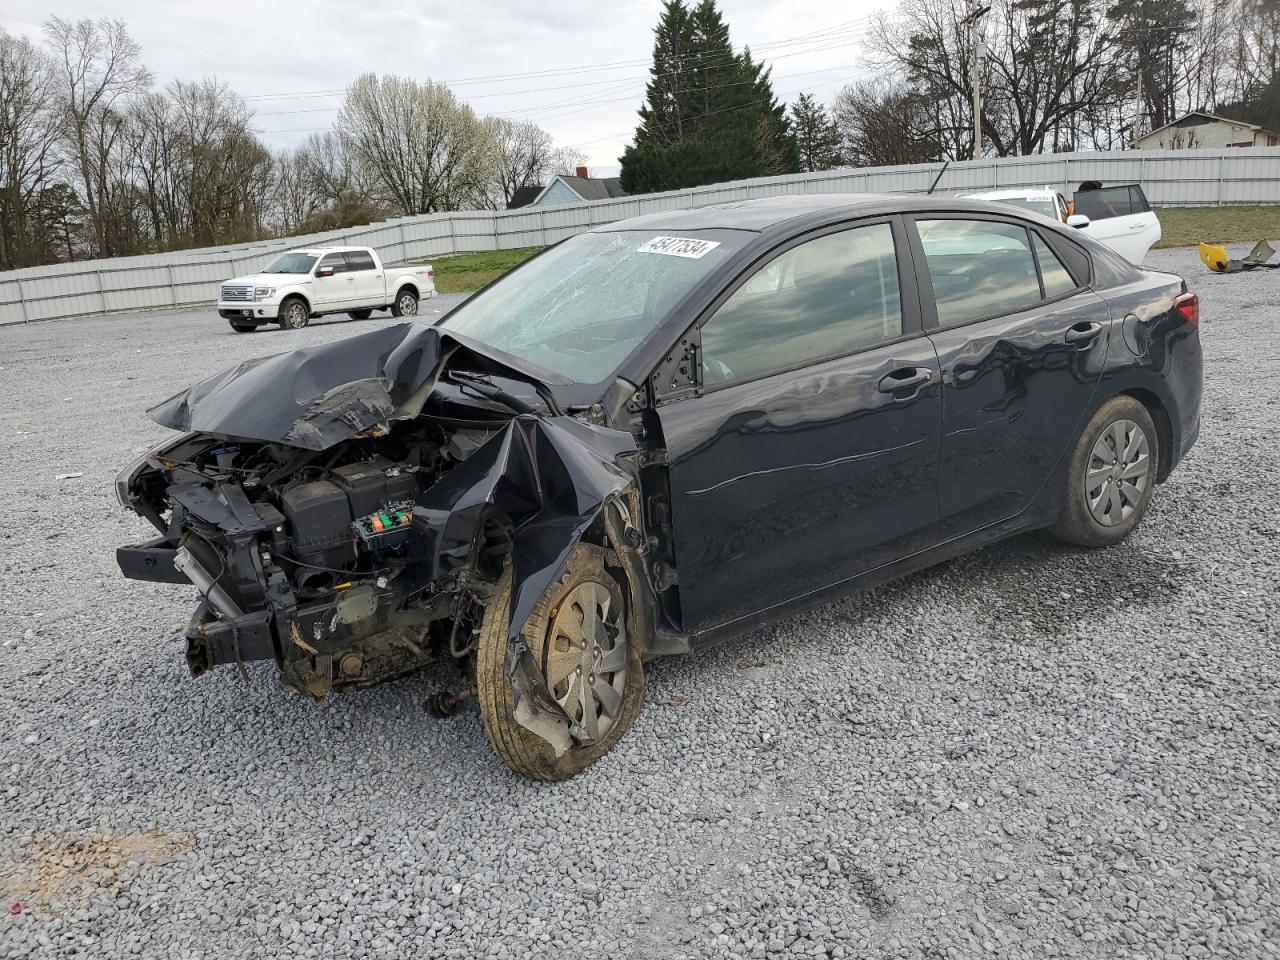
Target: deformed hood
316	397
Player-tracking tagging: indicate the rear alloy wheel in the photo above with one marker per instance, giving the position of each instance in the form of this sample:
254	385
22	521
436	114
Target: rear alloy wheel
360	314
580	635
406	304
294	314
1111	475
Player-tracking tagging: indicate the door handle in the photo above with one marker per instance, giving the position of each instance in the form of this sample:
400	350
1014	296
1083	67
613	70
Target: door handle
908	378
1082	333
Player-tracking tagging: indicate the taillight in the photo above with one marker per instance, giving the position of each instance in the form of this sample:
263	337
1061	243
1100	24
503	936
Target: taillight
431	273
1188	307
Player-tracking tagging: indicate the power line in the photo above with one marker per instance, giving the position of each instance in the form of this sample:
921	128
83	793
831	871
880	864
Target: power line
821	35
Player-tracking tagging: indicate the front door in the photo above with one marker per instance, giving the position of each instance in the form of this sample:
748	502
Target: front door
811	455
1121	218
1022	343
334	285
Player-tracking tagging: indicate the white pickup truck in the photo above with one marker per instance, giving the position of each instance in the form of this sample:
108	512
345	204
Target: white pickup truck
302	284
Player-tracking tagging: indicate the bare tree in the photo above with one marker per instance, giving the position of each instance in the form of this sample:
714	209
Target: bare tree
29	134
99	65
428	151
882	123
524	155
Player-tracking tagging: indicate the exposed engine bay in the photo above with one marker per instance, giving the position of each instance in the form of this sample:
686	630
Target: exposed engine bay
354	528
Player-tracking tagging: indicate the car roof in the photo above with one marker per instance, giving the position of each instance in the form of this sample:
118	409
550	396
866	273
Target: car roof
320	251
1024	193
776	214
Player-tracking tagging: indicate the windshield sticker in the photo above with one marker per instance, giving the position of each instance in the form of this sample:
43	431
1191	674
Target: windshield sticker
680	247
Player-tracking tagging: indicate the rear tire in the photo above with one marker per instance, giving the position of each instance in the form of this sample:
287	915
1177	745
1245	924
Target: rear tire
405	304
360	314
294	314
522	750
243	327
1111	475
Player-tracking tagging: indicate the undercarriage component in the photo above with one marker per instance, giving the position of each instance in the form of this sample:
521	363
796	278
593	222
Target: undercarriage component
444	704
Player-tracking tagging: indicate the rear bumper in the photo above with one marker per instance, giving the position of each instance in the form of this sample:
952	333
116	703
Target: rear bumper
247	312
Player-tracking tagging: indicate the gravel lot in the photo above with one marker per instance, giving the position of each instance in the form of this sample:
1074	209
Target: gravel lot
1029	752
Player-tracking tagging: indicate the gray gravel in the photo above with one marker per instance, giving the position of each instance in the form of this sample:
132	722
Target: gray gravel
1029	752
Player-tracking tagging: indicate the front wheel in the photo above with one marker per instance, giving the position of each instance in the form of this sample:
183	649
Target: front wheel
405	305
294	314
1111	475
243	327
580	634
360	314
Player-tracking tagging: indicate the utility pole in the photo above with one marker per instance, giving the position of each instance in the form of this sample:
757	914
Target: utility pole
976	13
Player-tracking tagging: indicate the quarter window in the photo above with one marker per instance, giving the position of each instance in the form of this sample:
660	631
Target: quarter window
1055	277
979	269
823	298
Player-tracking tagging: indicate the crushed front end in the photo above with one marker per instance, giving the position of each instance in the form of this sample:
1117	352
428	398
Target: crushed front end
347	509
327	563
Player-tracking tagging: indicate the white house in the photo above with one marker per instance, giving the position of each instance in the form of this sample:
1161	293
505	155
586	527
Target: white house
576	189
1198	130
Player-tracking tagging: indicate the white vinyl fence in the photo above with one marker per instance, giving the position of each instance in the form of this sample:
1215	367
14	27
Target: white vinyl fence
1169	177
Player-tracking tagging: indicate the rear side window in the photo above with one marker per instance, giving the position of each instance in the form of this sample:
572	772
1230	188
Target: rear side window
335	260
979	269
1056	278
1111	202
358	260
823	298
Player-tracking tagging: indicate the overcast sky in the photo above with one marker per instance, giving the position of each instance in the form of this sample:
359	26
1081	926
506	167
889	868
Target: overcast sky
292	59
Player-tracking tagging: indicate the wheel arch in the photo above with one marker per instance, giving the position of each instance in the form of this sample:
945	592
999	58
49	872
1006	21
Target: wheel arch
407	285
297	295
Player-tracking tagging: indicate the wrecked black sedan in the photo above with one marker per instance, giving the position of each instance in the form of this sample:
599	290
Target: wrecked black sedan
659	434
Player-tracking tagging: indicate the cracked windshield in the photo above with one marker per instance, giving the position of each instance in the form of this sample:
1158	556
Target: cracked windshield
580	308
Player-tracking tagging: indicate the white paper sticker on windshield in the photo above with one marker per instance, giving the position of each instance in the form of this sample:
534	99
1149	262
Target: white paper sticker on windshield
680	247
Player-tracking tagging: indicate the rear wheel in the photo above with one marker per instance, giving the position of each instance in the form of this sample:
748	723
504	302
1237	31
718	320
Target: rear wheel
360	314
580	635
1111	475
406	304
294	314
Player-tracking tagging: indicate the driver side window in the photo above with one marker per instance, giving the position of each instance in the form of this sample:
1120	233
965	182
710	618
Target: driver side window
335	261
823	298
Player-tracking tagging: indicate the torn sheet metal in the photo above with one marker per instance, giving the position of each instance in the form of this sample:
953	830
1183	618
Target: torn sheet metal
316	397
550	478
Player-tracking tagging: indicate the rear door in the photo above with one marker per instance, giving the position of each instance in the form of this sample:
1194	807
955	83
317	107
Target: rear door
335	286
370	288
811	454
1120	217
1022	343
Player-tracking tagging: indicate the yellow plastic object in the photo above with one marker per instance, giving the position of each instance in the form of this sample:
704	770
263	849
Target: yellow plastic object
1215	258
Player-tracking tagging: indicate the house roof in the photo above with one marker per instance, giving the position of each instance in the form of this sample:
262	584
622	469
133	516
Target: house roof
589	188
1183	121
523	196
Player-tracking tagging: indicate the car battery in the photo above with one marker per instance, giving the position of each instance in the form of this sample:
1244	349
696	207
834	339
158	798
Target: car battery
371	484
319	516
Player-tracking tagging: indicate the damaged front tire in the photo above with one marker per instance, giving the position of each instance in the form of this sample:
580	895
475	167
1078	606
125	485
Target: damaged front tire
580	633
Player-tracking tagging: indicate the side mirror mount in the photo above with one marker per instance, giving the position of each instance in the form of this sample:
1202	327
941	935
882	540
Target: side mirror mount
1078	220
328	271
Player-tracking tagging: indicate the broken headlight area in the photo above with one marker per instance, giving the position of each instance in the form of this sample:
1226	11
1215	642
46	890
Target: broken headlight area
336	564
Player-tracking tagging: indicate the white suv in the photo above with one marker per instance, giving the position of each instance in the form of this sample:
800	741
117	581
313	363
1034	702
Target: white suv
1118	216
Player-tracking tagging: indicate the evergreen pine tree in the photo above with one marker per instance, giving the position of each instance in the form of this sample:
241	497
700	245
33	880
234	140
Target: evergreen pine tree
710	114
816	136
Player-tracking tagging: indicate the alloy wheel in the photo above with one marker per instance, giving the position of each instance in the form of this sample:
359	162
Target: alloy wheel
408	305
1118	473
586	662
